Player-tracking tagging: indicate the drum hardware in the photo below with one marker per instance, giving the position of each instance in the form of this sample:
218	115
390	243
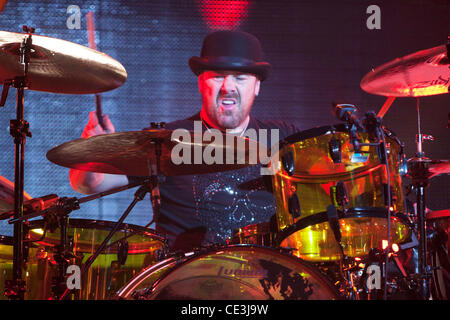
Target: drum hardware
24	57
19	130
294	206
334	148
152	187
423	73
138	196
287	161
57	214
418	171
438	239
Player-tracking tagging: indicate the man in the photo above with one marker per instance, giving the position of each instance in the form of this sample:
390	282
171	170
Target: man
206	208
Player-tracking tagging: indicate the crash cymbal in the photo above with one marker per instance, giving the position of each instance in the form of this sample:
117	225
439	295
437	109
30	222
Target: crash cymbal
130	152
422	73
7	195
59	66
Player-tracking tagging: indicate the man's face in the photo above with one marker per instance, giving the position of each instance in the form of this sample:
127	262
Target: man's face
227	97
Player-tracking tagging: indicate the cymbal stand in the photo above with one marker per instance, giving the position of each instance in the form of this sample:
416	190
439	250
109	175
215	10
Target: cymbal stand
419	173
152	187
19	130
60	213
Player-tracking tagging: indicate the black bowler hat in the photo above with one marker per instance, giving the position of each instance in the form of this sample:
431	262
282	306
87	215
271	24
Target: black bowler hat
231	50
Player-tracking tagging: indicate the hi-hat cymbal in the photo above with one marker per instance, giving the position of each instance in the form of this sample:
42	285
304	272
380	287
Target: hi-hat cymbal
440	214
7	195
59	66
427	168
131	152
422	73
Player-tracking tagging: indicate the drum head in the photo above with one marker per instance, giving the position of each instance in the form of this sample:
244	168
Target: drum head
131	249
243	272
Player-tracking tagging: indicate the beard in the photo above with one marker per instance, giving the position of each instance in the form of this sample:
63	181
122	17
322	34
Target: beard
229	118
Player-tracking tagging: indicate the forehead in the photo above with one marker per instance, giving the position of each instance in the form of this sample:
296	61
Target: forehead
210	73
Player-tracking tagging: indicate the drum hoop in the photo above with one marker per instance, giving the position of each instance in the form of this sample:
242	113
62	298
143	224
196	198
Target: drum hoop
322	217
104	225
319	131
216	248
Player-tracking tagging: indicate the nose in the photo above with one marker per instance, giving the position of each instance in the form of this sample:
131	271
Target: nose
228	84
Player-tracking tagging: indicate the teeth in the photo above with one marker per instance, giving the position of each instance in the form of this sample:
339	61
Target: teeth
228	102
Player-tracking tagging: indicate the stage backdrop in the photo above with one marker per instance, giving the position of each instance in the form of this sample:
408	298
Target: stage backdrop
319	50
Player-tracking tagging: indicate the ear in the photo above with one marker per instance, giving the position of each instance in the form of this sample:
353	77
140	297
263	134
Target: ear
257	86
200	81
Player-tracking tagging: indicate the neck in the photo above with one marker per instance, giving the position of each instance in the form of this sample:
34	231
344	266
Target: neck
237	130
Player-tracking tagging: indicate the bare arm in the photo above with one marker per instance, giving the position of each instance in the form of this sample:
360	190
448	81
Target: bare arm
91	182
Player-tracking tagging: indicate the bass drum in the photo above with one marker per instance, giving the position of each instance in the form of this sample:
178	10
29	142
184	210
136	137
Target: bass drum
236	272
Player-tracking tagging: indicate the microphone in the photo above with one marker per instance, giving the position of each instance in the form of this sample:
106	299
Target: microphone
347	112
34	205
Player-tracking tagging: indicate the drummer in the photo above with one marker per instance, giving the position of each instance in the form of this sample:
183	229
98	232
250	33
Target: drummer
204	209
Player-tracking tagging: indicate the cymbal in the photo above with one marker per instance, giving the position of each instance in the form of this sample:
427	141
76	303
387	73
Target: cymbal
438	167
129	153
7	195
439	214
59	66
422	73
428	168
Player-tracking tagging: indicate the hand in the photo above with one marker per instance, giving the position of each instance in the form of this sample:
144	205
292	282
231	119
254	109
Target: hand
93	127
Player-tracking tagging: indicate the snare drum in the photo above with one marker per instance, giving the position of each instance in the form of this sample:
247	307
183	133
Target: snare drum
231	273
131	249
318	168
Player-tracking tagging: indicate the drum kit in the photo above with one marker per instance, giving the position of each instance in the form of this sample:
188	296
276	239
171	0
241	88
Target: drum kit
342	229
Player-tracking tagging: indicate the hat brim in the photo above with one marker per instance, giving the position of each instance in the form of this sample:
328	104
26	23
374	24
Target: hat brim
199	65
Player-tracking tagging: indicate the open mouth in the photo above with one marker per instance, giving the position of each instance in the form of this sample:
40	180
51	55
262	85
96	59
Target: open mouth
227	103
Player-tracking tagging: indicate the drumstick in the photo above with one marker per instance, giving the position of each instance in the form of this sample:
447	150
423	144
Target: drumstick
93	45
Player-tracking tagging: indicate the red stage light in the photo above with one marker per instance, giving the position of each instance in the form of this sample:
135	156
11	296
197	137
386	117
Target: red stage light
223	15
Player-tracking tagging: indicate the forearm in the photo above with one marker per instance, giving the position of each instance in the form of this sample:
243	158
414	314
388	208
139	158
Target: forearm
92	182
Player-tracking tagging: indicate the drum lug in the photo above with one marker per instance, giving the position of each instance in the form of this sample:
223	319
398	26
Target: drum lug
122	252
294	206
334	149
339	194
287	160
403	165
